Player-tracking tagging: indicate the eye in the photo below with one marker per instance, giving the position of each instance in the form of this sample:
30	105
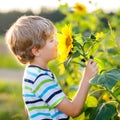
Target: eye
51	40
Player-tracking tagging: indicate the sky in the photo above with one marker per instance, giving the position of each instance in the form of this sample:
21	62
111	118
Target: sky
35	5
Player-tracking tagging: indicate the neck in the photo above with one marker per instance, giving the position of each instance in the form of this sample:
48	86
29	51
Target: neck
40	63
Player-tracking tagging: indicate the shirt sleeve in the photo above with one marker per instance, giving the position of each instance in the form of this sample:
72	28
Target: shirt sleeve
49	90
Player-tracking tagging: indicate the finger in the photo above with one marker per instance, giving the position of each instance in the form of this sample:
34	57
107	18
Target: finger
96	69
94	63
90	61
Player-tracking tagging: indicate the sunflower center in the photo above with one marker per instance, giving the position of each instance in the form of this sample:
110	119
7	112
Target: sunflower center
68	41
80	8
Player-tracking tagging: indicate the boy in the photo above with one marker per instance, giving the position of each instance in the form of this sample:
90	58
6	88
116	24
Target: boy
32	41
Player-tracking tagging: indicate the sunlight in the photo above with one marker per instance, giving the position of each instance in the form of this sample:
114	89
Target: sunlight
35	5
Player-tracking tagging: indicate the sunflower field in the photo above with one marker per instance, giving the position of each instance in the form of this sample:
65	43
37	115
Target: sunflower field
81	35
96	35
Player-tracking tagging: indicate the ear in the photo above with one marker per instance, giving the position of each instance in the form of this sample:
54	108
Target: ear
35	51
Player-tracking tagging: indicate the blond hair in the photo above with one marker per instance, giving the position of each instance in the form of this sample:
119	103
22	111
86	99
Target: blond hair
26	33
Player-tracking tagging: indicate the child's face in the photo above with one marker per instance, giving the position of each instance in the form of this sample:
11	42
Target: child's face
49	51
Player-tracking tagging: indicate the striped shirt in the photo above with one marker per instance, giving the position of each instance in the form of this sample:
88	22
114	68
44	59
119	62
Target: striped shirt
41	94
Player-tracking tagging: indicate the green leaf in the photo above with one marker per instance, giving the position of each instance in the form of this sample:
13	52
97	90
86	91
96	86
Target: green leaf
91	101
76	54
100	63
80	117
78	38
112	51
103	112
64	8
93	49
87	44
107	79
116	89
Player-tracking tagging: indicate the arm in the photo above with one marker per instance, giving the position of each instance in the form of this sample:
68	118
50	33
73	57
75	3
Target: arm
74	107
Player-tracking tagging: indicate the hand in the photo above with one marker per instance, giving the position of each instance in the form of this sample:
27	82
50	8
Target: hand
91	69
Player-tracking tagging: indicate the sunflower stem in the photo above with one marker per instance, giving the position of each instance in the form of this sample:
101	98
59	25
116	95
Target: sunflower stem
83	52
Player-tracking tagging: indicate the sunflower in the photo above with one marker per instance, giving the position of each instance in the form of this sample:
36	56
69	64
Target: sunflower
80	8
99	35
65	42
106	97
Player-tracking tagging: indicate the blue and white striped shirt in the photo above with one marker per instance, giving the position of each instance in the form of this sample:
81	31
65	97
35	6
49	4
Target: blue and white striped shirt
41	93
